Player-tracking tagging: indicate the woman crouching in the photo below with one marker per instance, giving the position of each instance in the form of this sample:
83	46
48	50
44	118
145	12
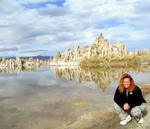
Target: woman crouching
129	101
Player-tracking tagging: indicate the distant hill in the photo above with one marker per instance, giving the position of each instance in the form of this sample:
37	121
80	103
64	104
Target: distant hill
34	57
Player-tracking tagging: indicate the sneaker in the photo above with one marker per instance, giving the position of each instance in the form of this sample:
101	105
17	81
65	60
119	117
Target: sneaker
125	121
141	121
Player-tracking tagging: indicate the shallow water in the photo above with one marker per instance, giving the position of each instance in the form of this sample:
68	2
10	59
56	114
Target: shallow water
54	97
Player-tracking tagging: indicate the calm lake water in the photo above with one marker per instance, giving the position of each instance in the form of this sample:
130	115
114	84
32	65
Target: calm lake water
49	98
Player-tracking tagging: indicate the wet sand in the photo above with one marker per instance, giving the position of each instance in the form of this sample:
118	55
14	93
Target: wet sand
109	120
99	119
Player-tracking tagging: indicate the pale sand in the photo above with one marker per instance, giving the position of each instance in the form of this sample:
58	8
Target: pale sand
98	119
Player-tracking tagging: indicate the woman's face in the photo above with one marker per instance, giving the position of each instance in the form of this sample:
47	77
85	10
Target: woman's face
126	83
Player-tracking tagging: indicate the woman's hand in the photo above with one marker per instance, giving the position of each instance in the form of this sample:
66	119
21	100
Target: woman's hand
126	106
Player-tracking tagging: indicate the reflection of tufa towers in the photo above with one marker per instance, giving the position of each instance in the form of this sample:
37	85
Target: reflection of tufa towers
102	78
100	48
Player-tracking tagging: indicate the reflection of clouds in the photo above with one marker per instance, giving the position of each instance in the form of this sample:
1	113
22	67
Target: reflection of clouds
142	78
26	103
100	76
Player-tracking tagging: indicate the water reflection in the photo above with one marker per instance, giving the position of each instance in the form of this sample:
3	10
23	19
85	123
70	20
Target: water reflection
102	77
18	69
40	100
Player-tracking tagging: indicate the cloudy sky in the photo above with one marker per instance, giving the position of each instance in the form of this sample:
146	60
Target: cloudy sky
44	27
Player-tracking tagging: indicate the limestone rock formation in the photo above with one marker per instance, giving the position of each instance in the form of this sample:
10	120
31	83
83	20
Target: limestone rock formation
100	48
7	65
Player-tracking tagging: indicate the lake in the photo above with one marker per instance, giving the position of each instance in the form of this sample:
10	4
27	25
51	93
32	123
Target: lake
56	97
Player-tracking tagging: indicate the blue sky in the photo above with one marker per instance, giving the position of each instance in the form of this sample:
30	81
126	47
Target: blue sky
44	27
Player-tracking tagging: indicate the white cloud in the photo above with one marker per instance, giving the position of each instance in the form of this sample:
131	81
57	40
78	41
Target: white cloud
33	1
55	28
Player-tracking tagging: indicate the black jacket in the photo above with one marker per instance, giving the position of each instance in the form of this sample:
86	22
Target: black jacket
134	98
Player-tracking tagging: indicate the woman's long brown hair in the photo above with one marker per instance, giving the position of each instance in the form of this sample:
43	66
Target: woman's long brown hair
132	84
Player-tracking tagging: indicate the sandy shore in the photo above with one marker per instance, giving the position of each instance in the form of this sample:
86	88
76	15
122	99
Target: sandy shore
97	119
